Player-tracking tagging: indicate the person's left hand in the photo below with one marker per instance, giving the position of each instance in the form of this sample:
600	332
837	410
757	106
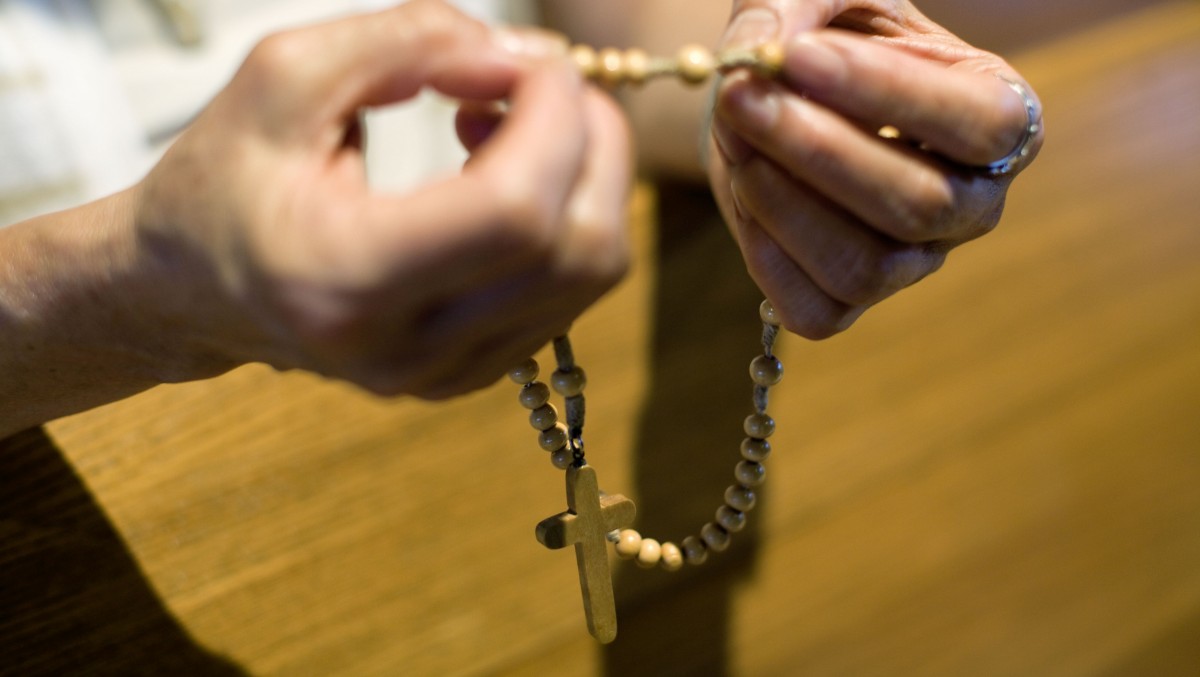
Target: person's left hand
831	216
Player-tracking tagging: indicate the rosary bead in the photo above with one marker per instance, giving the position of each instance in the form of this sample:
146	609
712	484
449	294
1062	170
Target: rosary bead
766	312
568	383
740	498
750	473
759	425
694	550
585	60
649	553
766	370
544	417
716	538
696	64
610	66
562	458
525	372
672	558
769	57
629	543
636	66
534	395
553	439
754	449
731	520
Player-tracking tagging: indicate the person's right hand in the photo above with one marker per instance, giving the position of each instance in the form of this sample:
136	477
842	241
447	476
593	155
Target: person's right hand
280	253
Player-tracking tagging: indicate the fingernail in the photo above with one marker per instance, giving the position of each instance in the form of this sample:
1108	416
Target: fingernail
752	104
530	42
815	63
750	29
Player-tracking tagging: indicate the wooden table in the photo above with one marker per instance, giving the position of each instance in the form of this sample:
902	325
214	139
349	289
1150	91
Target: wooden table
996	473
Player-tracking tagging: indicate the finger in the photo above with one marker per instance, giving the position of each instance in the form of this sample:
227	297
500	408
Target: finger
505	211
966	115
310	77
899	191
596	244
806	309
847	260
754	22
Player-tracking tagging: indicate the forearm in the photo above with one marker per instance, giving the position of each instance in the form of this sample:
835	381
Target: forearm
85	315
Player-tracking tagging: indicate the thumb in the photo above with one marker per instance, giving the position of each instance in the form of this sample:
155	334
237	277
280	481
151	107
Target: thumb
754	22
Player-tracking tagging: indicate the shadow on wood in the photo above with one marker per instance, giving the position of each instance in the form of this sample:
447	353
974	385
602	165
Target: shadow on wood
72	598
706	331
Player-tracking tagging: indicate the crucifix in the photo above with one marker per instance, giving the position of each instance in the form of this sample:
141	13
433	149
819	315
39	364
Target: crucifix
586	523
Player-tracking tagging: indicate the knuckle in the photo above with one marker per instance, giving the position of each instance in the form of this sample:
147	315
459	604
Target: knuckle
924	211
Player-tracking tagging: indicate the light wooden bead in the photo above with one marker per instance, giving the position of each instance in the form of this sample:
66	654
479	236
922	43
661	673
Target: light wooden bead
750	473
696	64
568	383
731	520
525	372
694	550
716	538
544	417
562	459
769	58
740	498
766	370
553	439
672	557
649	553
534	395
768	314
754	449
759	425
636	66
585	60
610	66
629	543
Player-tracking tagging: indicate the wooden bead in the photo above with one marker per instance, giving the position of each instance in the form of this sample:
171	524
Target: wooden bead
553	439
649	553
716	538
629	543
636	66
750	473
525	372
768	59
754	449
672	557
767	313
759	425
740	498
544	417
610	66
534	395
766	370
585	60
694	550
731	520
562	458
695	63
568	383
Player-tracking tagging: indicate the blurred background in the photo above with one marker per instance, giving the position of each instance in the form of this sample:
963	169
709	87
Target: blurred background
995	473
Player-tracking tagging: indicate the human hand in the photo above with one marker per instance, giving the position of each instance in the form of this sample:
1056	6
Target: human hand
831	216
280	253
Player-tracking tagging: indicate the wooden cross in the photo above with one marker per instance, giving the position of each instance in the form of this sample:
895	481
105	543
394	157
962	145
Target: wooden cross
588	519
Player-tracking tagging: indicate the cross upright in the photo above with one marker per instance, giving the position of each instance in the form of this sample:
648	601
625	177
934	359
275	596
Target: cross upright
588	519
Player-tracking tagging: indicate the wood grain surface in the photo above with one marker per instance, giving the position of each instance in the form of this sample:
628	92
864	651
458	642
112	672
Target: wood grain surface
995	473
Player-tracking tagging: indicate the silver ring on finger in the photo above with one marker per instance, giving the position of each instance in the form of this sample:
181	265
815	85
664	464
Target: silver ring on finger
1033	125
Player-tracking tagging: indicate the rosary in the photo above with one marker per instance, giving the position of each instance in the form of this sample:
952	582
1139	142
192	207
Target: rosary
593	518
